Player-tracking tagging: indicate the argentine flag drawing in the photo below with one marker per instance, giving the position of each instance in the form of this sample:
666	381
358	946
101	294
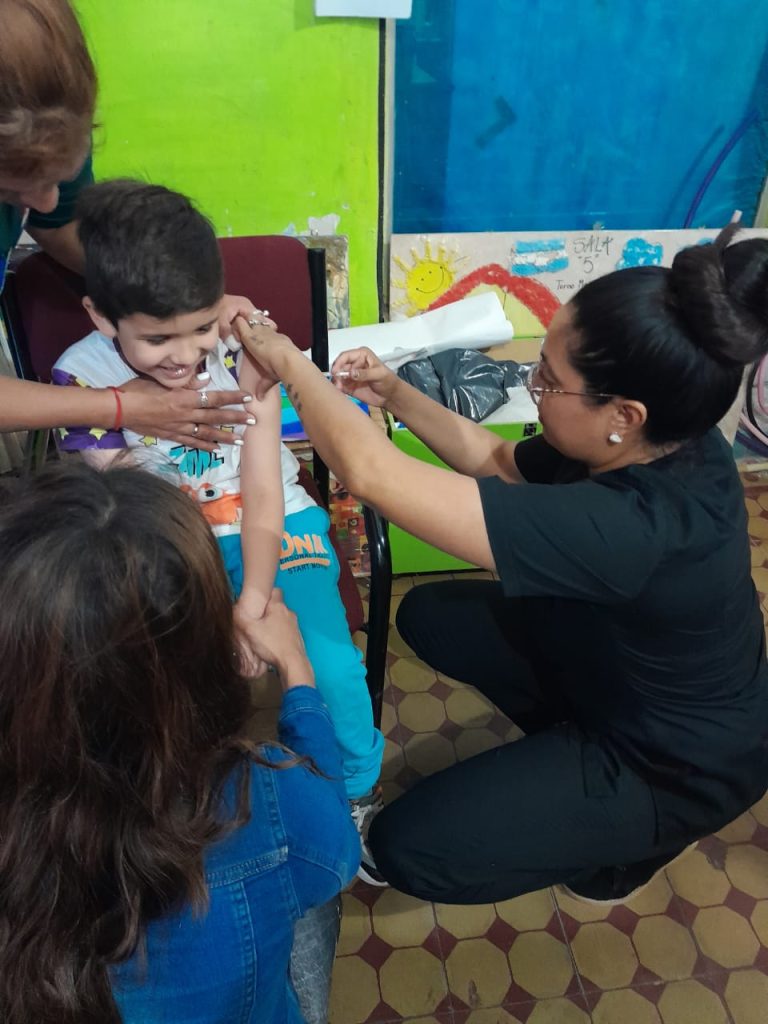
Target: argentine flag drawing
539	256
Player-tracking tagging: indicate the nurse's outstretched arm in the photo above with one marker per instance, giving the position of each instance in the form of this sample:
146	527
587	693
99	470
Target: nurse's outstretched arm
440	507
462	444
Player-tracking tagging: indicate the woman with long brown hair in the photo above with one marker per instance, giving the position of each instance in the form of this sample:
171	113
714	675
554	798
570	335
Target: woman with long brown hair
153	859
47	103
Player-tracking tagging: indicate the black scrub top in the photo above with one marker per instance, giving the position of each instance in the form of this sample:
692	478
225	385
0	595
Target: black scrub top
642	617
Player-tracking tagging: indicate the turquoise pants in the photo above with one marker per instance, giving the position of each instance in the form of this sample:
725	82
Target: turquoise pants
308	575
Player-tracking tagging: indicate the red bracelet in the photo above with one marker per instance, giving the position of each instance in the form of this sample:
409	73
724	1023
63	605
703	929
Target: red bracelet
119	410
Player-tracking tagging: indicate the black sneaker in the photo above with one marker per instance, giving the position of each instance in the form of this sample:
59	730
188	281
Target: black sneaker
364	809
612	886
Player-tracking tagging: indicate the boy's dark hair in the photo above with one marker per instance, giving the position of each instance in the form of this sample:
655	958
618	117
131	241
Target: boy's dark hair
147	250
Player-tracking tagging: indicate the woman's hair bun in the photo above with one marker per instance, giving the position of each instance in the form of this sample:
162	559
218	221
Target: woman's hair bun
720	291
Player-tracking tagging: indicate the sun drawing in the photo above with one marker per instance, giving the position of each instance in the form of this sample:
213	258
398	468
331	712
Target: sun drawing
428	277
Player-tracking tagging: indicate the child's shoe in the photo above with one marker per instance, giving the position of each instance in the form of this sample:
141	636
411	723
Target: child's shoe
364	809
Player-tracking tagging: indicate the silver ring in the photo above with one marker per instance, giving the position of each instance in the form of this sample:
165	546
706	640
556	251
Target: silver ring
254	319
203	399
196	430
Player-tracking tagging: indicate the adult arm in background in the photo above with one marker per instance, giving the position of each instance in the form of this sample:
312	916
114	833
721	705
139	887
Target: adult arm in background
147	408
61	243
56	231
440	507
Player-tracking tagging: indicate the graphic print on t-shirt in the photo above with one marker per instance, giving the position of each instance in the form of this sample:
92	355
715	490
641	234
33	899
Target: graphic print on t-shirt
210	478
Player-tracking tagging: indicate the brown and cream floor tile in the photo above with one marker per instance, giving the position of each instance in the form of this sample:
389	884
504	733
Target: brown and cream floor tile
691	949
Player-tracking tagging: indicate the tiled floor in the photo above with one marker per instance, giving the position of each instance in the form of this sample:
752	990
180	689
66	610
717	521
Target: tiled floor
692	949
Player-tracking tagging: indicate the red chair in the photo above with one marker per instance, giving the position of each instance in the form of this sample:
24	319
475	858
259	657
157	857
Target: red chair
42	310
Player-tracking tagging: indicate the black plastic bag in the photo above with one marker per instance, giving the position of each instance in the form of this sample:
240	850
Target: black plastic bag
465	380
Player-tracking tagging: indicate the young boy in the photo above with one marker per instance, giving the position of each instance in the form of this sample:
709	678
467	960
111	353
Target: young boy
154	280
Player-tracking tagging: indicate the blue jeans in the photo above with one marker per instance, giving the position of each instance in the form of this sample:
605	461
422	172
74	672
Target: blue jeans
314	950
308	575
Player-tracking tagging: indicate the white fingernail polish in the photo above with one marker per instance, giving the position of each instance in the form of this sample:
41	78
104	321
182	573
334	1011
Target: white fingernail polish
238	442
251	421
248	398
265	312
204	375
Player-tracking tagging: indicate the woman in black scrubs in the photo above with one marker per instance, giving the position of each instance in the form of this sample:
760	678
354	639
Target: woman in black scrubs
625	636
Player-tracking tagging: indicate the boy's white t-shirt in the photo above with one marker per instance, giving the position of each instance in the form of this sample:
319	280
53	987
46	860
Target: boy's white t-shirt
212	478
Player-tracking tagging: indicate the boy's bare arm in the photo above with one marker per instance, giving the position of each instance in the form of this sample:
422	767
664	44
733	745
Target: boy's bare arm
261	487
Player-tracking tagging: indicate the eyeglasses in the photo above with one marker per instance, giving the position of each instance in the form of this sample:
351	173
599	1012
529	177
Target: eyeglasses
536	392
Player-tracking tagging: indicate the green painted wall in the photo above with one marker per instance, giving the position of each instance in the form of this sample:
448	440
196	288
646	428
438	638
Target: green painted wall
261	112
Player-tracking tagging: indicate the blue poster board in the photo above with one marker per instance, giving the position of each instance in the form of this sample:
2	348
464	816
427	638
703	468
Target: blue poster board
539	115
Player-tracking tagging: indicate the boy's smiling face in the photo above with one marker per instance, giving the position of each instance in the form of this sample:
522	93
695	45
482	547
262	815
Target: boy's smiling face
169	351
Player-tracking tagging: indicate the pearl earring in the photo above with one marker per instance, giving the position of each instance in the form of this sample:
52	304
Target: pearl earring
615	438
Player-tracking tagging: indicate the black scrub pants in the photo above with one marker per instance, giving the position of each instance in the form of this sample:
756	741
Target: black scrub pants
554	806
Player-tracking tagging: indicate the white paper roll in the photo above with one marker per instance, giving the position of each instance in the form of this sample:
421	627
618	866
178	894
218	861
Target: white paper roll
476	322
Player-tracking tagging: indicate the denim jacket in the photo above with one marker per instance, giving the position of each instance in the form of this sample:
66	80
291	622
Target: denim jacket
230	965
